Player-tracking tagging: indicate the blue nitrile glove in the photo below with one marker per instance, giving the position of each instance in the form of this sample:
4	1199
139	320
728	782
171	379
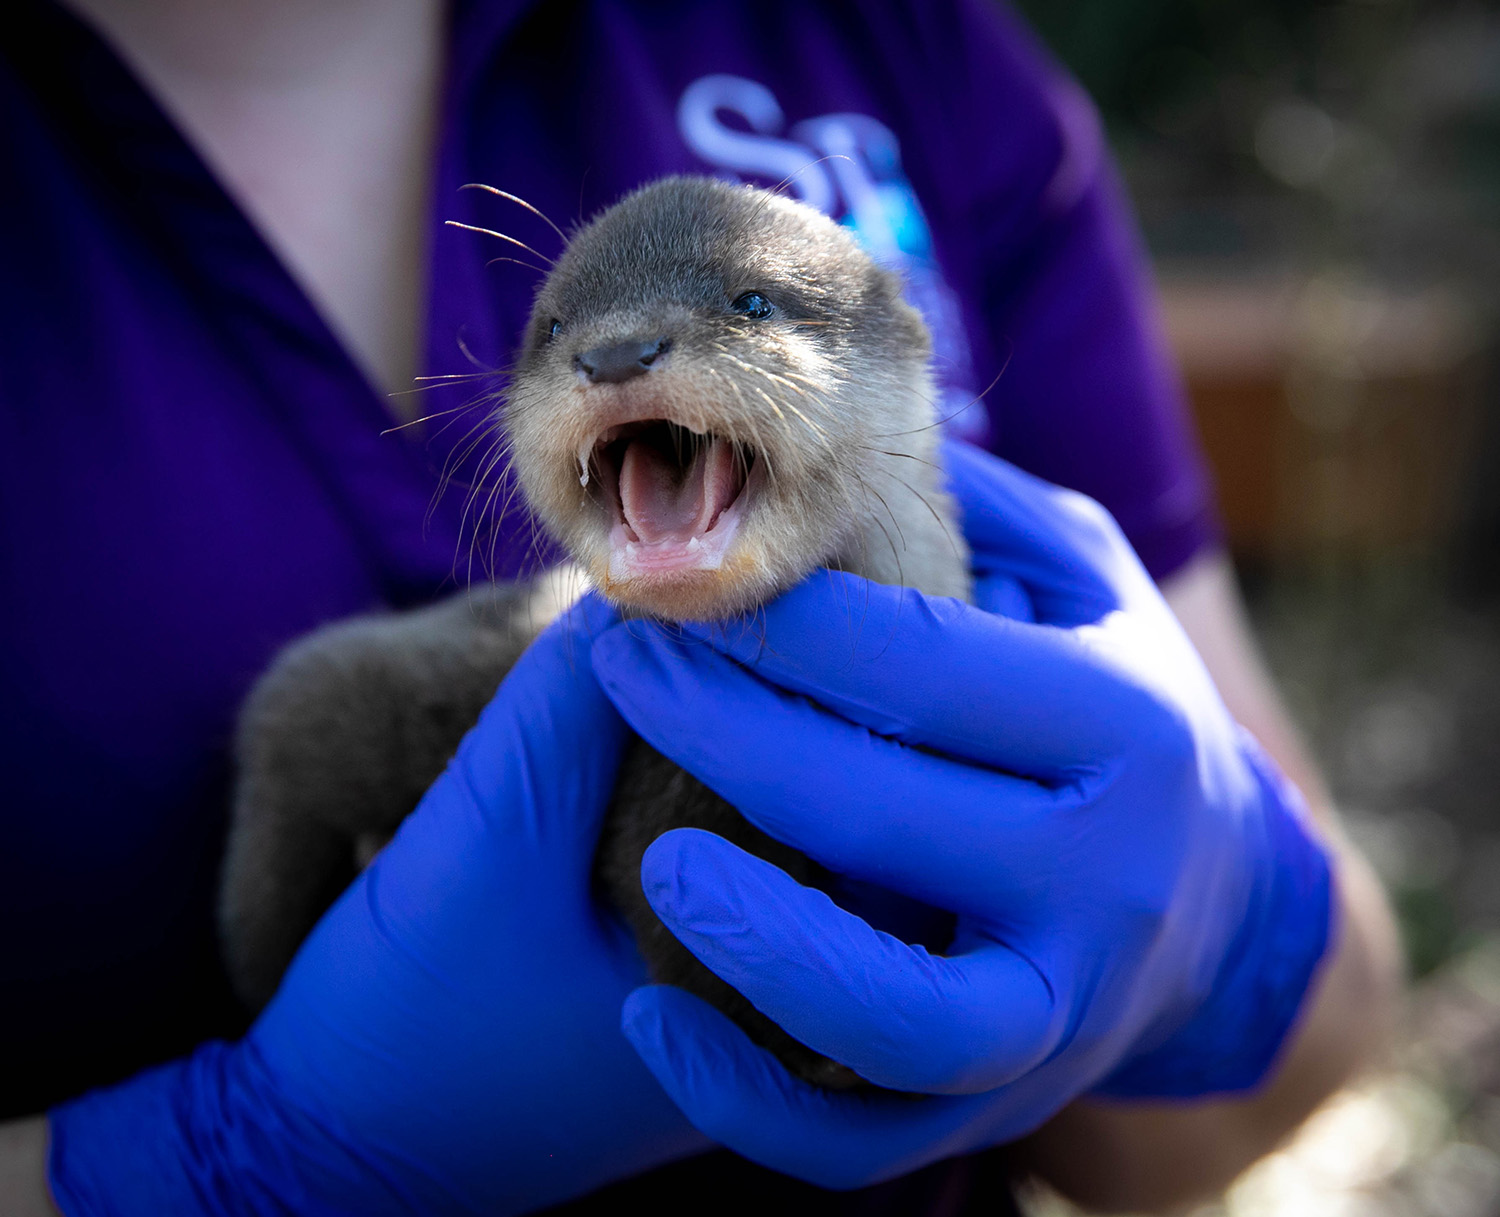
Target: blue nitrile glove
1140	906
448	1039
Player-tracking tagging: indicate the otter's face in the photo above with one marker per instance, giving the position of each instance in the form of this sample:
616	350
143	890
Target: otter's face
710	380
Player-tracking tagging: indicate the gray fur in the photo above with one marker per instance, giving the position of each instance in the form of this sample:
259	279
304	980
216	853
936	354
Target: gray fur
351	725
336	745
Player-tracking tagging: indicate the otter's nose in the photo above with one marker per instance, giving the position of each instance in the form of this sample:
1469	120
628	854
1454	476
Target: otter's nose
621	360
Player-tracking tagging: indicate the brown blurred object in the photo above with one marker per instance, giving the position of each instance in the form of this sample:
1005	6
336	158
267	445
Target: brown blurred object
1339	415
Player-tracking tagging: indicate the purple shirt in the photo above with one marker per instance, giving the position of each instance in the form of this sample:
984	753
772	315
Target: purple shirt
192	469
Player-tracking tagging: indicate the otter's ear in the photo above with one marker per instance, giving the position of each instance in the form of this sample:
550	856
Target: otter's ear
909	328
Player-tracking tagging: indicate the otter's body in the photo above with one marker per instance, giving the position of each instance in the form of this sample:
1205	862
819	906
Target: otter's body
718	393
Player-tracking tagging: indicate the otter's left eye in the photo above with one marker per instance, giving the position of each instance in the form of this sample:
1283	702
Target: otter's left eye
554	328
753	304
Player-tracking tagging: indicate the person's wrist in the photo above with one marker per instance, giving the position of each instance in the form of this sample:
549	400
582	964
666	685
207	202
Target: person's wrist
1232	1040
207	1134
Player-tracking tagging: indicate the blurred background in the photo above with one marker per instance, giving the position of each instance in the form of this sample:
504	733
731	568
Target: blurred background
1319	185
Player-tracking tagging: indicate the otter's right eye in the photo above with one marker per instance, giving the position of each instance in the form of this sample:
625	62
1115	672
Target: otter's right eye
753	305
554	328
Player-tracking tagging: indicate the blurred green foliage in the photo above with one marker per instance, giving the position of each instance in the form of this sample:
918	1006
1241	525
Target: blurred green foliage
1151	64
1365	130
1431	932
1142	58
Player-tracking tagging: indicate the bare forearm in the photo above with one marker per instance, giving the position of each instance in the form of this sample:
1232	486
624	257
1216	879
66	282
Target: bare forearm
1154	1156
23	1169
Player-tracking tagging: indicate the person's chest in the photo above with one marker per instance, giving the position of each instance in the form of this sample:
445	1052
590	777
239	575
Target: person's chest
319	121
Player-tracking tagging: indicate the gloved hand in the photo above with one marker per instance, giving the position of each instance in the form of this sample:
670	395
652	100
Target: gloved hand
1140	904
448	1039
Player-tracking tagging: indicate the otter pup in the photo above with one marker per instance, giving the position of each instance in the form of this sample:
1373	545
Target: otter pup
719	391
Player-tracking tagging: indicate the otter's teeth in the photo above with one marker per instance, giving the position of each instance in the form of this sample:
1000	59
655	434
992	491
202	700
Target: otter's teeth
584	455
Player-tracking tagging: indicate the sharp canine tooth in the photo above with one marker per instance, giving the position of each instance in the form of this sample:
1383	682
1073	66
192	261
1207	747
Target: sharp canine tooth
584	453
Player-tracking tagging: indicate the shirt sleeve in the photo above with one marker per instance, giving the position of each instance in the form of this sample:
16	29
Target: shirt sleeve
1064	310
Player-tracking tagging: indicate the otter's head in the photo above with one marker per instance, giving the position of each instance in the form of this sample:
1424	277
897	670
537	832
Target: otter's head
711	380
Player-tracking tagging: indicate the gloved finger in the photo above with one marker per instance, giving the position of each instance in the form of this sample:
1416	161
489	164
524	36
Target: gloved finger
520	805
897	1015
545	752
927	671
949	835
1063	547
740	1096
998	593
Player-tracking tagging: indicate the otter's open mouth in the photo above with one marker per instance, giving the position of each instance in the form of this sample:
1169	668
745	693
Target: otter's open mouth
676	496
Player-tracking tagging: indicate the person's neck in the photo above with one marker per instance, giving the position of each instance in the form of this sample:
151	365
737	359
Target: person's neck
252	43
319	116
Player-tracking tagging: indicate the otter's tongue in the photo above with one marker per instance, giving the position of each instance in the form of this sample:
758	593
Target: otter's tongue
663	500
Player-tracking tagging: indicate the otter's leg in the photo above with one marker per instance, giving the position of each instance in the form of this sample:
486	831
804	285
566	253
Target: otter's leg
653	795
336	745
